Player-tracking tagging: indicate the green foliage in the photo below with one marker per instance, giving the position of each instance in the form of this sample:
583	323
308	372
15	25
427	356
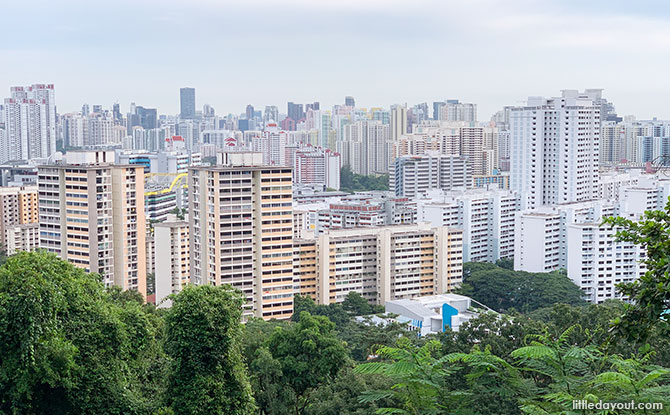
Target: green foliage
651	292
69	347
207	374
419	379
180	213
309	355
504	289
334	312
351	182
356	305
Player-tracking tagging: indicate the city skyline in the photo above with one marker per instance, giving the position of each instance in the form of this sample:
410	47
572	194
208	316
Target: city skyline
381	53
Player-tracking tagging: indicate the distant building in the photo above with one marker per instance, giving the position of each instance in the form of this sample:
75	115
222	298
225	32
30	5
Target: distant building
413	176
187	103
28	123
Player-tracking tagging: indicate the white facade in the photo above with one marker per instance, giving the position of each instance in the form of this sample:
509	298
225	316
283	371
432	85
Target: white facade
172	258
29	117
554	150
486	217
413	176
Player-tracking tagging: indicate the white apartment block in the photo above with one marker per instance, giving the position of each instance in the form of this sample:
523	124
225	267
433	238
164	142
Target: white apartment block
453	110
554	150
366	147
272	143
596	262
570	237
29	118
540	234
171	242
316	166
92	215
413	176
486	217
20	238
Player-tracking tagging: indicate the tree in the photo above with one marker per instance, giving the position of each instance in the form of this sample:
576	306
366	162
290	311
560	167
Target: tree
352	182
356	305
69	347
419	378
334	311
651	292
503	289
309	355
207	374
564	372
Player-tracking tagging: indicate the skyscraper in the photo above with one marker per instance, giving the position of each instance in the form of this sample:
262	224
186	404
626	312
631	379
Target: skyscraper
271	113
554	149
295	111
249	112
187	103
349	101
29	117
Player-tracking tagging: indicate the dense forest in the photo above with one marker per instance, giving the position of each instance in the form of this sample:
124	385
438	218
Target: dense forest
70	346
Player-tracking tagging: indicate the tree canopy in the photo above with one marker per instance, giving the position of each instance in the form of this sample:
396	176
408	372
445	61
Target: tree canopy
504	289
352	182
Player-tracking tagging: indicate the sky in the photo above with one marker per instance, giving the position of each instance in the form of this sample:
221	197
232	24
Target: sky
382	52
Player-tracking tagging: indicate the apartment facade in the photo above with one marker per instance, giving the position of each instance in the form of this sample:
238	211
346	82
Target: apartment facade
381	264
413	176
92	215
171	245
18	206
555	149
241	233
487	217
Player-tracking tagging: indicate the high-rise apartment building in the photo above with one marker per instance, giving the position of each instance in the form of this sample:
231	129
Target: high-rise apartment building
18	206
485	215
29	118
381	264
187	103
241	232
555	149
453	110
366	147
272	143
398	122
349	101
413	176
92	215
171	244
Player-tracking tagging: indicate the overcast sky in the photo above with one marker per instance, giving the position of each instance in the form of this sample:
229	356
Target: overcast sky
489	52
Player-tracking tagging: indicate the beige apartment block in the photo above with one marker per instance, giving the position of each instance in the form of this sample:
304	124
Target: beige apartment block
18	206
381	264
241	233
92	215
